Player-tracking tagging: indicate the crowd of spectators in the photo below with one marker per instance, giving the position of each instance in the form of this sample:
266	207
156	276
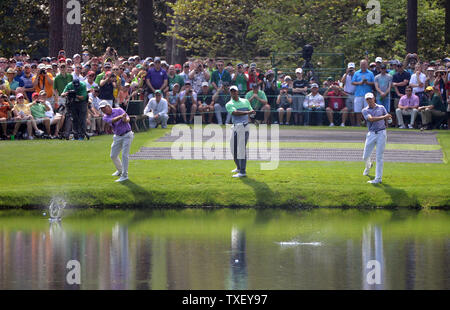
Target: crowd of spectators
32	91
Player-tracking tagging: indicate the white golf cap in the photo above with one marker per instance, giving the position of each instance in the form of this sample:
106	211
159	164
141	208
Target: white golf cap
314	85
234	87
299	70
378	59
351	65
369	95
41	66
103	104
205	84
76	55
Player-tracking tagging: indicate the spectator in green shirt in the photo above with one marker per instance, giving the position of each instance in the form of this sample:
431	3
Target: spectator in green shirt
240	79
434	111
220	76
38	110
173	79
258	101
59	84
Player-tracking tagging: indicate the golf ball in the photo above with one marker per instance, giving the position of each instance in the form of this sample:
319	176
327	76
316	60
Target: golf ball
44	214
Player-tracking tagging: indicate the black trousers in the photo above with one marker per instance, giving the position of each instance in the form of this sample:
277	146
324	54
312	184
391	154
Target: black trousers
238	145
79	114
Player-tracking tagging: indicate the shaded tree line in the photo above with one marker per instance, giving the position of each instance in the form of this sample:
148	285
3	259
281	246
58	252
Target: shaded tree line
234	28
29	24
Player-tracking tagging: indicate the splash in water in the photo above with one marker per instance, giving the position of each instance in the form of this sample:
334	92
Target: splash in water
55	209
296	243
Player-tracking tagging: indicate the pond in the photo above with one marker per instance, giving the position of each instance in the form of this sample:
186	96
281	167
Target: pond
225	249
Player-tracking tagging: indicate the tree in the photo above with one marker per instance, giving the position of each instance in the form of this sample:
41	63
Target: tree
214	28
174	52
146	28
55	27
447	23
411	32
72	27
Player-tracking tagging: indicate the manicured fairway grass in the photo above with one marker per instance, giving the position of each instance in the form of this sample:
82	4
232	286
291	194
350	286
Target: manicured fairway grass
35	171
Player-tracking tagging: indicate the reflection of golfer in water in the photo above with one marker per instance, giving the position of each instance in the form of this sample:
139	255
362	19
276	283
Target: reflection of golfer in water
239	109
123	136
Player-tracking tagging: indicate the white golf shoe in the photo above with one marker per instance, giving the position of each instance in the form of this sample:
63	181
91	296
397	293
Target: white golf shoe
117	174
239	175
374	181
235	170
122	179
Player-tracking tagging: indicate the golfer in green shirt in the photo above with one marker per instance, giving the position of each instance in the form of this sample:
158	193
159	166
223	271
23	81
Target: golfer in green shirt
240	109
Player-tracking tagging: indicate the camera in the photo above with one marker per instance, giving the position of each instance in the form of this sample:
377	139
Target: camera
42	71
72	95
2	82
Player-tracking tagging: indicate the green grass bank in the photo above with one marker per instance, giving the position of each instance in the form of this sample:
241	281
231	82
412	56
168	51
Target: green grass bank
35	171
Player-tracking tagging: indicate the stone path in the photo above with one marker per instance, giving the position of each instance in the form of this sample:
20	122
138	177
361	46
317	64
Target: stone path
311	154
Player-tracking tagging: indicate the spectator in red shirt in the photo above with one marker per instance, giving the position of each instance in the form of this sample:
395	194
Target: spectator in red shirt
336	103
5	114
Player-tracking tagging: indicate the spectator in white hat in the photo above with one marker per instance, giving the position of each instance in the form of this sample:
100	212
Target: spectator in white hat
349	91
377	69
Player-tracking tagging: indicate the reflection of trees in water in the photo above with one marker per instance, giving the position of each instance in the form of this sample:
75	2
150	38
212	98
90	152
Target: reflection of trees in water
123	258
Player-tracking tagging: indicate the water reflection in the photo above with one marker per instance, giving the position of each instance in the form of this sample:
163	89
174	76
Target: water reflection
227	250
372	250
238	263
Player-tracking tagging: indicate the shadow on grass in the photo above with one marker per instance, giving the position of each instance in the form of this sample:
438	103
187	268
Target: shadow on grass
142	197
399	197
265	197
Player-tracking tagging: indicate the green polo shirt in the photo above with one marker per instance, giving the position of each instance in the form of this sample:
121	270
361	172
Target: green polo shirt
240	105
38	110
82	91
436	101
61	82
218	77
256	104
176	79
99	78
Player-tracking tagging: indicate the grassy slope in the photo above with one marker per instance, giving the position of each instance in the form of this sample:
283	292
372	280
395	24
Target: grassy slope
35	171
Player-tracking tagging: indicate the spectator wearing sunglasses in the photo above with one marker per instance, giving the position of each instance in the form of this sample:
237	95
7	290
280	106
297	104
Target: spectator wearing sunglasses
77	75
90	81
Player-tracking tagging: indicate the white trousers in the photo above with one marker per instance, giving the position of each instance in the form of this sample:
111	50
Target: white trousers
162	119
121	143
378	140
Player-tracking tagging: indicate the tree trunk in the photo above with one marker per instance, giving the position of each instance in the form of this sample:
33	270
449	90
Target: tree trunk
411	31
447	23
174	53
72	27
55	27
146	29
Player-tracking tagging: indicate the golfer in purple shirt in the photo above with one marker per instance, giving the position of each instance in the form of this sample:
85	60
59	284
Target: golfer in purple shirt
123	136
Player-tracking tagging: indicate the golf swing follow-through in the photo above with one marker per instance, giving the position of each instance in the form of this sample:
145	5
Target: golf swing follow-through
377	118
123	136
